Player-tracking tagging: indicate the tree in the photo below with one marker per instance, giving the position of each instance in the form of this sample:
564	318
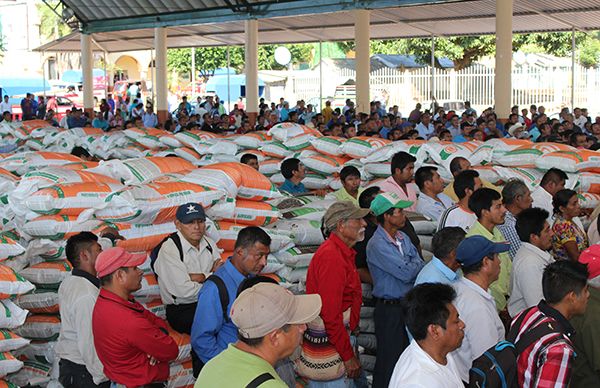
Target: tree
51	25
208	59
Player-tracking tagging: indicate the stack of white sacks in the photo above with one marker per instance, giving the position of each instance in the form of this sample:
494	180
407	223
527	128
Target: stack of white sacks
47	195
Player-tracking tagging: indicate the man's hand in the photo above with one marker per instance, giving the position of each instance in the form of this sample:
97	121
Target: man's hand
320	192
352	367
217	264
152	360
198	277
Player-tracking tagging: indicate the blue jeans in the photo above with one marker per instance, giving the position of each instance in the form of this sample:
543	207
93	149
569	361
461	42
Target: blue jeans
343	382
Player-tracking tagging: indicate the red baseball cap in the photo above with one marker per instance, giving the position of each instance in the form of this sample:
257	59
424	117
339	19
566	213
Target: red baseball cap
112	259
591	257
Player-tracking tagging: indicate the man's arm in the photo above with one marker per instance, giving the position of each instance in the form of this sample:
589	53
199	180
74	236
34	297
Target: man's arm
208	321
83	309
172	273
555	369
150	339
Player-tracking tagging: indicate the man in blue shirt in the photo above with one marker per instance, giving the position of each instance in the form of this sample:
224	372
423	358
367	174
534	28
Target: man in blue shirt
394	264
293	171
443	266
212	332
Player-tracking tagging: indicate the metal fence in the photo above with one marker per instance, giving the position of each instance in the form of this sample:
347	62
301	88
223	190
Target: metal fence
548	86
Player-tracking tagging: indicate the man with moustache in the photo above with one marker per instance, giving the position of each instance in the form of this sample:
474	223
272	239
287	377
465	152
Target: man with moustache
394	264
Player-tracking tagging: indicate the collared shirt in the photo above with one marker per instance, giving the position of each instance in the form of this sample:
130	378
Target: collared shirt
174	281
292	188
457	216
484	328
499	289
543	199
433	208
417	369
586	367
5	107
125	333
548	361
389	185
436	272
455	131
150	120
332	274
343	195
77	296
509	231
210	335
394	264
425	131
526	278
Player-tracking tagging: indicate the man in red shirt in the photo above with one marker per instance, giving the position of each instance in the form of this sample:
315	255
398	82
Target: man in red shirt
549	360
131	342
332	274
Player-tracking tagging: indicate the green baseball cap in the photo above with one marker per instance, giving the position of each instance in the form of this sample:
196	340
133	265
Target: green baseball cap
386	201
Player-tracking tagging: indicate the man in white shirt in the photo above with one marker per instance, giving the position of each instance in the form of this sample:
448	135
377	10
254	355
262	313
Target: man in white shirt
465	184
79	365
437	331
579	119
530	261
552	182
149	118
480	264
432	201
5	106
183	262
425	128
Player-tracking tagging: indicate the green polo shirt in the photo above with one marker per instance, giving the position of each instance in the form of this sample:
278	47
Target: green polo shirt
235	368
586	367
500	288
342	195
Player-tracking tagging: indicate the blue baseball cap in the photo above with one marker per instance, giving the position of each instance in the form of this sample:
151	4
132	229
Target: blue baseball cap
473	249
190	212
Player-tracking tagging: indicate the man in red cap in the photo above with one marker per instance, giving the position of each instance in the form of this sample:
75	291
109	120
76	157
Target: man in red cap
131	342
586	367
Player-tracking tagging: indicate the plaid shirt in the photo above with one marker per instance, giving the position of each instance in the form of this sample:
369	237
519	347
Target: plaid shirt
509	231
548	361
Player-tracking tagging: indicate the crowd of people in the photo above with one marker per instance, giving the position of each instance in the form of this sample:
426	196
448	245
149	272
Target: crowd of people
509	264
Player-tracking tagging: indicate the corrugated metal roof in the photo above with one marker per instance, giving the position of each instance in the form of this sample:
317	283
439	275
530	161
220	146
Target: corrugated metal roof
475	17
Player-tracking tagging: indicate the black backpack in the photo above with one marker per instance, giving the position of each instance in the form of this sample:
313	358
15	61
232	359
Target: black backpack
497	367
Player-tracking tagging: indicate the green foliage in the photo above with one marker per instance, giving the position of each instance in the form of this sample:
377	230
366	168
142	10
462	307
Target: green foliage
208	59
464	50
51	25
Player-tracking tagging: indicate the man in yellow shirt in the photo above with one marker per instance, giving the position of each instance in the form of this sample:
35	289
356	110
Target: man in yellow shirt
351	190
327	112
458	165
487	206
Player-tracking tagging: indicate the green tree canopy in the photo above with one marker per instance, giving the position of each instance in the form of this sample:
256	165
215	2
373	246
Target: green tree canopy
51	25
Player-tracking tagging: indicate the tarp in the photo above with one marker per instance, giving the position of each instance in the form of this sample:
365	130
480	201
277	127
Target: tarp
237	86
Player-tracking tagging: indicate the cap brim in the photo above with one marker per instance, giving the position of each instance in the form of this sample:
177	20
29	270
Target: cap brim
358	213
308	307
500	247
135	260
402	204
192	217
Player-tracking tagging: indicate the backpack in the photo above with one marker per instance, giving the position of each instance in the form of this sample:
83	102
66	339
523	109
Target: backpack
497	367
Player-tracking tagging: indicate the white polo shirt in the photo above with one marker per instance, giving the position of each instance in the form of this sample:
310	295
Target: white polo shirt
483	327
416	369
457	216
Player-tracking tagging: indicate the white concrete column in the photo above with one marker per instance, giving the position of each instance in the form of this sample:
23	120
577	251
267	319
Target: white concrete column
87	64
161	86
251	69
362	39
503	77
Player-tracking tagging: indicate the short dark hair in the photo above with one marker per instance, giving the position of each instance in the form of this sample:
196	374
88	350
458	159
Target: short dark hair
401	159
288	167
455	165
349	171
463	181
251	235
446	240
381	217
427	304
562	198
562	277
80	152
366	197
530	221
247	158
424	174
78	243
482	199
553	175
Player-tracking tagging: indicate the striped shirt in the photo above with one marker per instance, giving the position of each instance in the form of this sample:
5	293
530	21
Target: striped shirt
548	361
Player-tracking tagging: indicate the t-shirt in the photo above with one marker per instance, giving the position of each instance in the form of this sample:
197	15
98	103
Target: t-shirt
236	368
457	216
